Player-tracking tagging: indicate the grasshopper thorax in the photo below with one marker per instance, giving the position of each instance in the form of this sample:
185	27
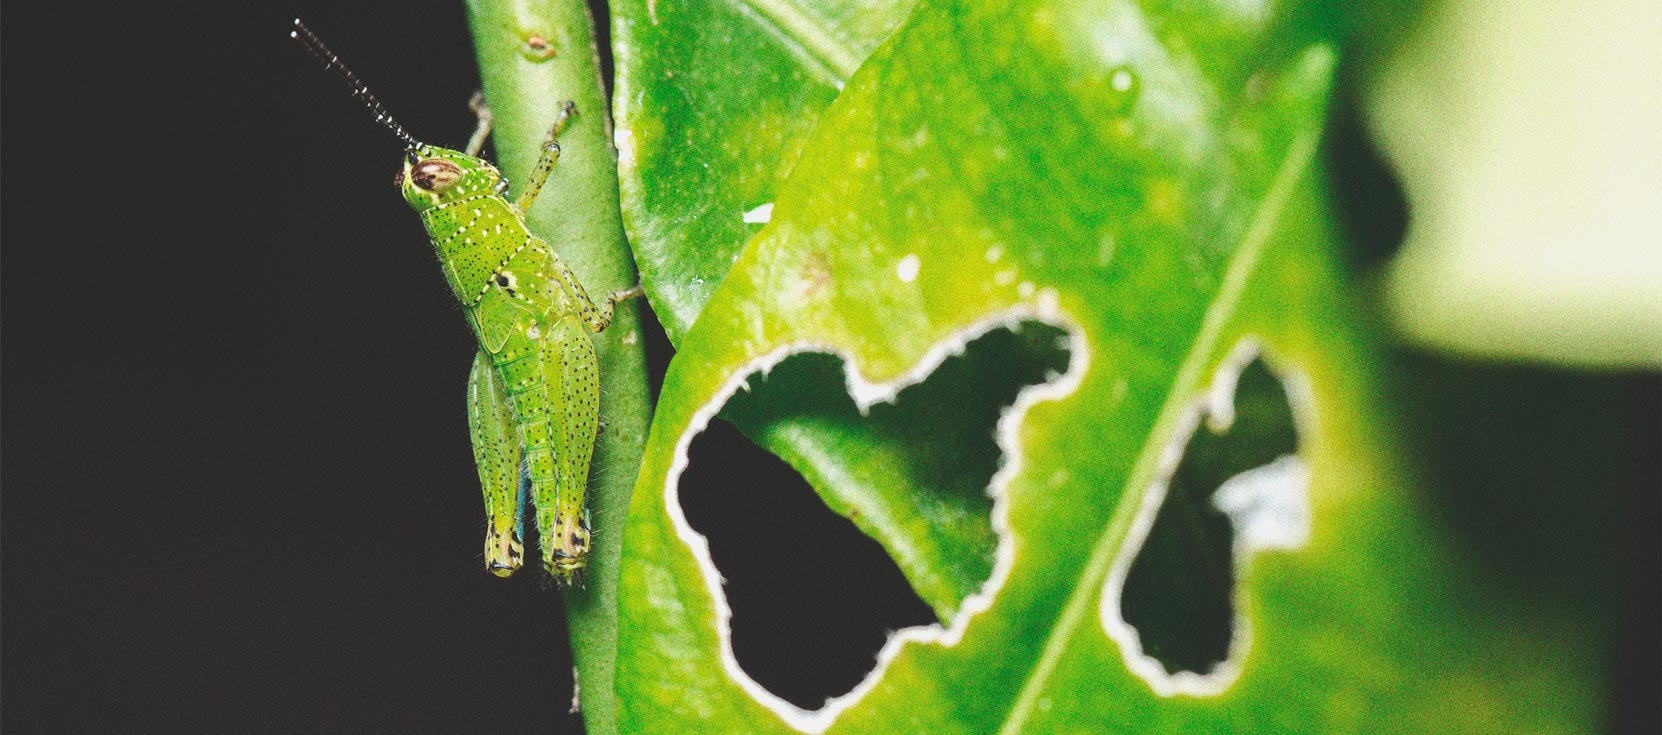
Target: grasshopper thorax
432	176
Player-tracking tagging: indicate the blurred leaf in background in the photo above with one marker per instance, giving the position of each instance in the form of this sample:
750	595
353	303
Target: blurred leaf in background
1526	136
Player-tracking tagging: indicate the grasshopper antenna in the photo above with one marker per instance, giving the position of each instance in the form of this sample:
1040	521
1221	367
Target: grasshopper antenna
332	63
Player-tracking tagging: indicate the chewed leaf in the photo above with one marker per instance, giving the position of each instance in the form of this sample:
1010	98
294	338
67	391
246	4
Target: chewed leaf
1231	483
923	459
1145	185
807	589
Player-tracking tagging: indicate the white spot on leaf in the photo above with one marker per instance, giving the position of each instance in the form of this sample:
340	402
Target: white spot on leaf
759	216
624	139
908	267
1121	80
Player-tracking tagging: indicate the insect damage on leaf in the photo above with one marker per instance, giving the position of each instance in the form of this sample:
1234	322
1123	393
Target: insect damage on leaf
1173	600
810	591
813	598
1056	374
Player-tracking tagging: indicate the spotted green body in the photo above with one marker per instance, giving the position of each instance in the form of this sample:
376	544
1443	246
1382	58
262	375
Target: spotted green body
534	391
534	394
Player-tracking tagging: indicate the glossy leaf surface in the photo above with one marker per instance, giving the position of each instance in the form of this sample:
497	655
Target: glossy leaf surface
715	102
1143	178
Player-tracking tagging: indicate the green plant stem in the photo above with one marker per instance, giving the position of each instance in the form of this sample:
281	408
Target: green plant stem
533	55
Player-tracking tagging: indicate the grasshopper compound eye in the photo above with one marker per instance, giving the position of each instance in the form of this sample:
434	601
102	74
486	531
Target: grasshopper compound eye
435	175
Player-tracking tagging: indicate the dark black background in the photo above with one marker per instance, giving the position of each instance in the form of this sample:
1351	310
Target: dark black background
237	482
238	494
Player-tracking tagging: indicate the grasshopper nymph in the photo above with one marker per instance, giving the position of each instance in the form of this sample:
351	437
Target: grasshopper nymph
534	392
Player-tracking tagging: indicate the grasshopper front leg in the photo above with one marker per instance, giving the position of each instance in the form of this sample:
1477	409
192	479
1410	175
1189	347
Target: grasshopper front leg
482	128
545	164
595	316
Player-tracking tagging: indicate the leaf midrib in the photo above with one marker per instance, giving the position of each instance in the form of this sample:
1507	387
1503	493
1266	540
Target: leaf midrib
813	42
1217	315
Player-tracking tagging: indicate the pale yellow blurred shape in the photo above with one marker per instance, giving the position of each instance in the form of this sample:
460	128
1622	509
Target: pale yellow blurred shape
1528	136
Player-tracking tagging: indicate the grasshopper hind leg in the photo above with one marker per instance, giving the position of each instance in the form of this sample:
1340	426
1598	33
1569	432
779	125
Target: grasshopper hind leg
572	371
502	474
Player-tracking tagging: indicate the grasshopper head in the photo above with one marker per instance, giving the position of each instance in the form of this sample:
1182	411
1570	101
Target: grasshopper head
432	176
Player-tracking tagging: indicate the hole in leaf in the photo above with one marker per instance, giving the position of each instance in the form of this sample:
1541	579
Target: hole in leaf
1179	593
814	599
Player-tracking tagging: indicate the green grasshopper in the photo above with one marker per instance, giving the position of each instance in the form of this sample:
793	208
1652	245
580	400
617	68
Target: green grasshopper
534	391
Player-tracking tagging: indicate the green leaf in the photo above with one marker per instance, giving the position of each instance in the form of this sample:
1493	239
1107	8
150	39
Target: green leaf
1146	182
533	55
714	106
714	102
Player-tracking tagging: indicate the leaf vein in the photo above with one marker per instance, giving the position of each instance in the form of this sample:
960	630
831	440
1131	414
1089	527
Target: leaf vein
1217	315
805	36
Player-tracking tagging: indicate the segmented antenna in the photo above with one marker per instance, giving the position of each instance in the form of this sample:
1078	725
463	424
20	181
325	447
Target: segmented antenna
331	62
